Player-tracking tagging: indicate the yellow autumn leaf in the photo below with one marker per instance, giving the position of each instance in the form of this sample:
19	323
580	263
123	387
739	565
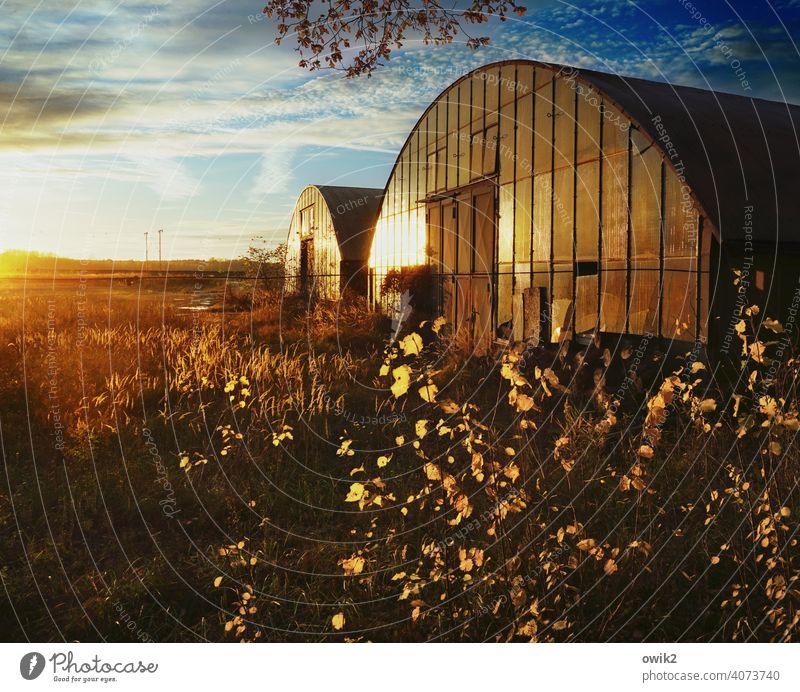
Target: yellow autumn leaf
421	428
411	344
383	460
402	380
645	451
428	392
432	472
757	349
708	405
353	565
449	406
217	581
356	493
338	621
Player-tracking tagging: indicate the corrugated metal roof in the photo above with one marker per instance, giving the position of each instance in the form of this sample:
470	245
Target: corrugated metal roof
734	151
354	211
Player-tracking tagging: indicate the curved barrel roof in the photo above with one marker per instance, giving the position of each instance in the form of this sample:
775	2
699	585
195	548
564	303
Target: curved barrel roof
733	151
353	211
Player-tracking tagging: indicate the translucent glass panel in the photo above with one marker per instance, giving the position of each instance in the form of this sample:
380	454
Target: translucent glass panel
589	121
615	207
484	223
464	237
543	126
525	84
564	115
477	96
541	217
504	287
643	316
490	144
587	212
492	94
434	240
586	288
562	305
645	237
505	231
524	149
449	239
563	191
523	221
506	143
508	84
678	318
613	296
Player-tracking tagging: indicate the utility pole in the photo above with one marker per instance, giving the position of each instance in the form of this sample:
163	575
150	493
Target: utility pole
146	256
160	231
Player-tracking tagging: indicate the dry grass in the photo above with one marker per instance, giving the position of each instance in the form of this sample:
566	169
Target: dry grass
181	476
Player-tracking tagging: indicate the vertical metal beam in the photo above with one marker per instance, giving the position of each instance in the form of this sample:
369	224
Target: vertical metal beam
628	234
600	172
552	201
573	319
698	282
662	226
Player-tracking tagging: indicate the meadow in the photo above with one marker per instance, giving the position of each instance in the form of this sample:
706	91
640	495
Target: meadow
262	469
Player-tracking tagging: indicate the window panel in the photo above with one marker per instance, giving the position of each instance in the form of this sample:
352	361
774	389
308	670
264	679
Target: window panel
613	306
431	172
564	114
541	217
522	220
464	152
464	102
615	207
484	231
524	164
506	143
645	198
586	299
543	137
564	185
615	130
490	150
441	168
678	318
505	234
508	84
478	88
492	94
680	219
524	80
477	146
587	211
588	125
561	326
643	317
504	285
543	77
464	236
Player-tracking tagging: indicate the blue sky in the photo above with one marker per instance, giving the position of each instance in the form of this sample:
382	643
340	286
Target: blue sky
124	117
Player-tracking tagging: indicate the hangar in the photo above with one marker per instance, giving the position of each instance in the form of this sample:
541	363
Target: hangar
330	235
557	203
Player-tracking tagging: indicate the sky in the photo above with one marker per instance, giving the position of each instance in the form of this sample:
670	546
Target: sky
121	117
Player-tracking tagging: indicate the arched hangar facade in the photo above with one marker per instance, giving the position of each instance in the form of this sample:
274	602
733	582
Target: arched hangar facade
553	203
329	240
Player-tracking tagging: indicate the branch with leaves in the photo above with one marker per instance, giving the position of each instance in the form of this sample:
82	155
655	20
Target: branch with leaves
357	36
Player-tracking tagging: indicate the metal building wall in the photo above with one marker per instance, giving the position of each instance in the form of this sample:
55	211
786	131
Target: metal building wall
590	217
326	256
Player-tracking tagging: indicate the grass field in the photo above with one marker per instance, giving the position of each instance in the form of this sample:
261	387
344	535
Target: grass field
257	470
